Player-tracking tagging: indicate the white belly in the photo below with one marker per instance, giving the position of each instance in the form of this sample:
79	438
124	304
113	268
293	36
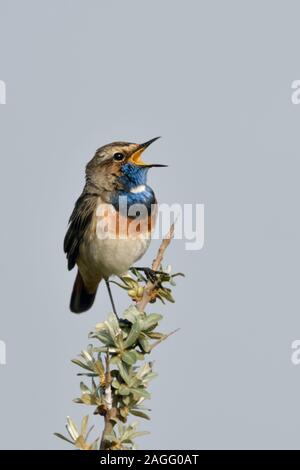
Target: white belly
107	257
107	252
104	256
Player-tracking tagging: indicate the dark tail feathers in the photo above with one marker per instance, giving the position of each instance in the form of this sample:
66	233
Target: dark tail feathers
81	300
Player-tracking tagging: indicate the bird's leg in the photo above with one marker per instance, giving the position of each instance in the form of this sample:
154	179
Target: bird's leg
150	274
111	299
120	320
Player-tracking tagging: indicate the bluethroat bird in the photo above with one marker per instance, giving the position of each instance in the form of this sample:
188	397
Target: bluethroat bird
106	234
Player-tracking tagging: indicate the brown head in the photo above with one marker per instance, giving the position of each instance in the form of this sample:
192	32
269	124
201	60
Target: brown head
109	163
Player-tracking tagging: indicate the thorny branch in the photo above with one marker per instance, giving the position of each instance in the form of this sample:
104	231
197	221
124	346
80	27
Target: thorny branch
155	266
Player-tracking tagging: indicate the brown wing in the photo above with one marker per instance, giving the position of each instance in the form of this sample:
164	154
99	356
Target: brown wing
79	223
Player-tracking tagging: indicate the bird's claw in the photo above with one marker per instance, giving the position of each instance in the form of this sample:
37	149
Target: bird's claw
150	274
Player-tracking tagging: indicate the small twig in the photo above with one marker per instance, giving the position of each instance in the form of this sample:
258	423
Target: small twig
163	338
150	286
108	397
110	410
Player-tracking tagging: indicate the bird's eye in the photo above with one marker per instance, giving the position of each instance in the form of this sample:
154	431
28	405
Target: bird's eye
118	157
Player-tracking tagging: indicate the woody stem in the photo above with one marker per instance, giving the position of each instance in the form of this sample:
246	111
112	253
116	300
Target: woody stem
150	286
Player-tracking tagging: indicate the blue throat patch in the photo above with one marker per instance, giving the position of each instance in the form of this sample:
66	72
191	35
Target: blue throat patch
132	177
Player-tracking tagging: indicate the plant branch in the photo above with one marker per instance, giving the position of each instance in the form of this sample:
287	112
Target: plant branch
150	286
163	338
110	409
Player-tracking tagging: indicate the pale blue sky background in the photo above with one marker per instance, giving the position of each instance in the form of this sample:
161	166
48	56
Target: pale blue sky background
214	79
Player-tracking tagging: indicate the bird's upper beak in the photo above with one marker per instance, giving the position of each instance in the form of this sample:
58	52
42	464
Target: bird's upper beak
135	157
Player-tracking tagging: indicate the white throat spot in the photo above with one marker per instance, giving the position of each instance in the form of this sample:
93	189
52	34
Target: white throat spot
138	189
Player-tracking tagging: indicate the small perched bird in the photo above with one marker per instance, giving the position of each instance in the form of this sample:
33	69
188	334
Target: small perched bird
106	234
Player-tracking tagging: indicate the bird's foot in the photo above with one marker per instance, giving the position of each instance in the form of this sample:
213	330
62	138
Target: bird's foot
150	274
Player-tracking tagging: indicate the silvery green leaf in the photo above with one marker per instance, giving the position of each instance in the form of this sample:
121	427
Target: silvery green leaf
89	432
121	428
114	360
81	364
128	431
81	444
113	327
144	370
124	372
103	337
87	356
150	376
87	374
151	321
84	423
140	392
94	386
84	388
123	390
78	400
115	384
132	314
129	357
86	399
61	436
133	335
144	344
127	441
111	438
139	356
94	445
105	350
98	367
141	407
155	335
140	414
139	434
166	293
100	326
123	412
71	428
126	400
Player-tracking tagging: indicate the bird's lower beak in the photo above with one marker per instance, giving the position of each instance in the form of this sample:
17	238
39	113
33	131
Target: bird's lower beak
135	157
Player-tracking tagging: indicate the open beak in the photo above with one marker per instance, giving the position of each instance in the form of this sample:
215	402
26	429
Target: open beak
135	157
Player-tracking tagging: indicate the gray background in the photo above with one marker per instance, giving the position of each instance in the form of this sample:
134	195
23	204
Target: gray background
214	79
